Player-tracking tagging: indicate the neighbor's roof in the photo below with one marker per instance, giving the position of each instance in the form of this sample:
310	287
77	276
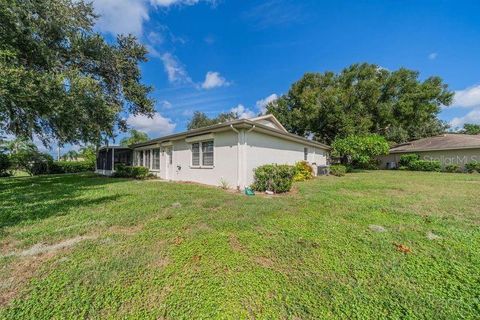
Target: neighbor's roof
237	124
449	141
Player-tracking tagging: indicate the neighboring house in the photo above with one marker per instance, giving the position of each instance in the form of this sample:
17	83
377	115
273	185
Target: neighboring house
449	149
222	153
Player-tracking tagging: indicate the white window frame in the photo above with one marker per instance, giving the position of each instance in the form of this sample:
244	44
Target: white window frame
200	154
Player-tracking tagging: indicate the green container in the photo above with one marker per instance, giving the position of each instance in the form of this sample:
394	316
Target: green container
249	192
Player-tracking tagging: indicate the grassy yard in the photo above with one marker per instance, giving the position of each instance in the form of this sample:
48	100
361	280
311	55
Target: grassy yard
368	245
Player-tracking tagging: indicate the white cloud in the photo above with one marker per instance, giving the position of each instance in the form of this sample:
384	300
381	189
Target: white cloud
262	103
129	16
243	113
121	16
471	117
166	104
433	56
467	98
156	126
155	37
175	70
214	80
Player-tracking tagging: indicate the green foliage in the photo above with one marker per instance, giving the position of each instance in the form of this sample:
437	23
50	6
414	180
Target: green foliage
5	165
360	151
123	171
363	99
303	171
200	119
72	166
412	162
70	155
273	177
469	128
425	165
338	170
407	159
61	79
472	167
453	168
89	155
33	162
17	145
136	136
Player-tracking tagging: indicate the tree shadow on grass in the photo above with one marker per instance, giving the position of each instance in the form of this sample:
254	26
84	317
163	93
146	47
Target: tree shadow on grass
32	198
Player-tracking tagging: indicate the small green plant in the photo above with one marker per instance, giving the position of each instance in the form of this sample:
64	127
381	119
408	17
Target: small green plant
338	170
273	177
224	184
303	171
453	168
472	167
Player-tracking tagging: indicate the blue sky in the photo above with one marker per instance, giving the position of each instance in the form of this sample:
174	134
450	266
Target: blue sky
214	56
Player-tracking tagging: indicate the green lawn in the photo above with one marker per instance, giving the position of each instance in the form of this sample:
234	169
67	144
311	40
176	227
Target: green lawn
80	246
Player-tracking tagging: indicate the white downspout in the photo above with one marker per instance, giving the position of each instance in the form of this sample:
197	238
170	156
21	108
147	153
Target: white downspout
238	155
245	142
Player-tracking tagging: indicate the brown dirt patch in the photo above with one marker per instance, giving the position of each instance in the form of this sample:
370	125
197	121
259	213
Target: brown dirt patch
161	262
178	241
126	230
41	248
264	262
235	244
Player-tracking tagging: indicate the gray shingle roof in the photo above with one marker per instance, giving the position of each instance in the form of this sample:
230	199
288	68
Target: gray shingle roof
447	141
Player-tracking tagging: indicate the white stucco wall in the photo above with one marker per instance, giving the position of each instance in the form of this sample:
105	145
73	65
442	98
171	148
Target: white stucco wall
264	149
225	162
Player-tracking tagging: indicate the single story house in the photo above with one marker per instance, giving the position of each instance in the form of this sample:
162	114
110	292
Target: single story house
447	148
225	153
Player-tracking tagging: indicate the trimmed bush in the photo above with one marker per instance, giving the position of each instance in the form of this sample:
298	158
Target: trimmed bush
453	168
303	171
72	166
338	170
407	159
123	171
425	165
273	177
413	162
472	167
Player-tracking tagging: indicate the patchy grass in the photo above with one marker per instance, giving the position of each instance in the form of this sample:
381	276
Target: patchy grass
368	245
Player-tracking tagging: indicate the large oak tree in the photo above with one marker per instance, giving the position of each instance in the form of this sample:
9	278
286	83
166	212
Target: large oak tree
363	99
59	79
